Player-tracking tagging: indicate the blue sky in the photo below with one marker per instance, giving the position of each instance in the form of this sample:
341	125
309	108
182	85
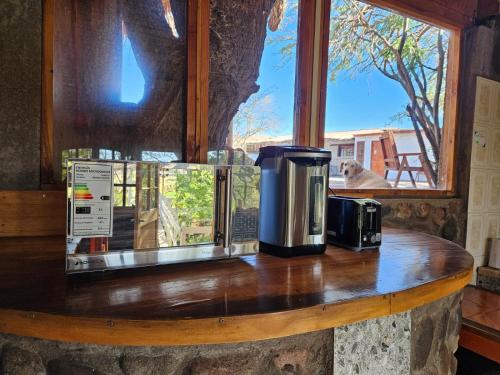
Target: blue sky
132	79
367	101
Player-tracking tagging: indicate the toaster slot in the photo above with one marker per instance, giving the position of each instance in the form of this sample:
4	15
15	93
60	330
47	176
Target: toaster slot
371	218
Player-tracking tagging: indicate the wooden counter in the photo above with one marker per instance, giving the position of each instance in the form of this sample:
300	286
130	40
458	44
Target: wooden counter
247	299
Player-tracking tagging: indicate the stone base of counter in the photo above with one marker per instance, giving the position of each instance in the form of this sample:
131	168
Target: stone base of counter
420	341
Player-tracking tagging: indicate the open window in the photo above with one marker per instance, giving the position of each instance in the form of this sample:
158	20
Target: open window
388	118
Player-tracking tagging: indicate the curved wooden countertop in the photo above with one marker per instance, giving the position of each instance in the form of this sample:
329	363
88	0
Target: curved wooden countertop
247	299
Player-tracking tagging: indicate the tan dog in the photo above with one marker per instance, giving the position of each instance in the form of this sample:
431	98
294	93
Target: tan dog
356	177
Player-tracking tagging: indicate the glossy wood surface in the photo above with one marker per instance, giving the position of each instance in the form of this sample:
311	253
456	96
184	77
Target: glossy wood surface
251	298
480	331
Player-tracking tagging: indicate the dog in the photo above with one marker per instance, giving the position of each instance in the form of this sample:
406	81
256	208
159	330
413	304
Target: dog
356	177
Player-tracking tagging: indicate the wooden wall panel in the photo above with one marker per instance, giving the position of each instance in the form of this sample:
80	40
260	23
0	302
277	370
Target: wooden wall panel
196	144
32	213
445	13
448	162
304	73
47	129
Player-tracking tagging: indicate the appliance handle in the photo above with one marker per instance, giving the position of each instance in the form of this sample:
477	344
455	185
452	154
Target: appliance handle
223	206
227	207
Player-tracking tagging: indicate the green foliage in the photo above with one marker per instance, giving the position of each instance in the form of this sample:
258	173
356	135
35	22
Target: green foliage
364	37
193	197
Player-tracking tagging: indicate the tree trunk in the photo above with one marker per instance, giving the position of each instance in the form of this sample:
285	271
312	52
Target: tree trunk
237	35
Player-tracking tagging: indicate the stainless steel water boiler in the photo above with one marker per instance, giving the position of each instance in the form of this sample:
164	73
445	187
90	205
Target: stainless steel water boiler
293	196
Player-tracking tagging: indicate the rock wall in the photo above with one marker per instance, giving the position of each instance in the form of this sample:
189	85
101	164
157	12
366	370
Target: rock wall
434	336
378	346
303	354
416	342
441	217
20	93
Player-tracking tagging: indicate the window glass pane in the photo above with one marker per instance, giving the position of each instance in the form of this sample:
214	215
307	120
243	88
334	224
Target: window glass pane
119	78
105	154
117	173
130	196
145	173
131	173
159	156
118	196
385	98
187	203
252	77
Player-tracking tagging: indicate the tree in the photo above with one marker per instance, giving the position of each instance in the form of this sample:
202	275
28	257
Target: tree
412	53
254	117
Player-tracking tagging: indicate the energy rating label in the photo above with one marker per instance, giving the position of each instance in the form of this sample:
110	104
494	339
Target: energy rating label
92	200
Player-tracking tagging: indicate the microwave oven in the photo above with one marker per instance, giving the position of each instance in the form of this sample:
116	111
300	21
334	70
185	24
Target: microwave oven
125	214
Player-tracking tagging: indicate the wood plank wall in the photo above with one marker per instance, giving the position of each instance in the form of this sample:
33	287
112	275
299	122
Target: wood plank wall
32	213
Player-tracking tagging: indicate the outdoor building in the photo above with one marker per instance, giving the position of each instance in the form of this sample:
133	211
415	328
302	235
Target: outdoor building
364	146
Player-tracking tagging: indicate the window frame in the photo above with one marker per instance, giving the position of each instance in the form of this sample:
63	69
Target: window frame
124	185
197	61
447	173
310	84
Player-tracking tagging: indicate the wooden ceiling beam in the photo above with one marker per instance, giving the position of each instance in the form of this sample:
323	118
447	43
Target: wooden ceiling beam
449	14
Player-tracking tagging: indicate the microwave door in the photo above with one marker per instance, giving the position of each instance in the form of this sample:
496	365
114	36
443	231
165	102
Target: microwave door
188	197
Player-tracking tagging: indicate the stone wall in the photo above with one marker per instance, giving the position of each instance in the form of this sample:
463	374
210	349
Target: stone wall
434	336
417	342
20	93
441	217
303	354
378	346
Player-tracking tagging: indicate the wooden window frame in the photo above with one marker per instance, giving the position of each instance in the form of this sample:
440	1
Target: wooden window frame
196	132
436	15
124	185
310	84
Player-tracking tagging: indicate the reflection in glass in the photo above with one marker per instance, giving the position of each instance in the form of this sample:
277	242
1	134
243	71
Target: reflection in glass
132	78
250	101
119	80
171	212
187	203
118	196
245	203
168	205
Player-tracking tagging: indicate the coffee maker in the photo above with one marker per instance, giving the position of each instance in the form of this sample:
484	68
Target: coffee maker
293	199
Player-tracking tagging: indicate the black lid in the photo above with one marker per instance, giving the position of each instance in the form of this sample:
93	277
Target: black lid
289	151
279	150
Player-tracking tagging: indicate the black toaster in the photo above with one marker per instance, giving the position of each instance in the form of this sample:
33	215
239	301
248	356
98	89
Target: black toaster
354	223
